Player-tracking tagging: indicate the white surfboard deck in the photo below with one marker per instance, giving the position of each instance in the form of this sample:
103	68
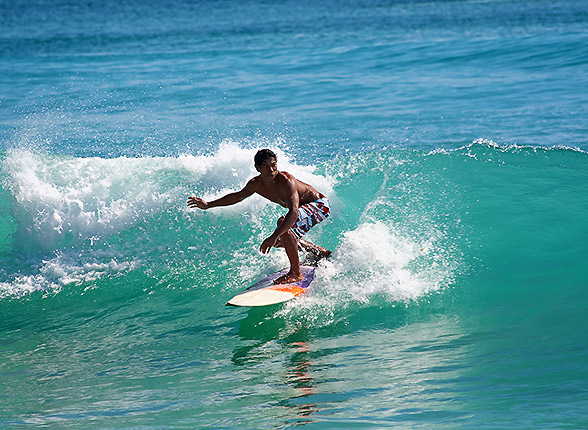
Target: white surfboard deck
265	292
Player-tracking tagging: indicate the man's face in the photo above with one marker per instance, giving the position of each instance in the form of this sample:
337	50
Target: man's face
268	168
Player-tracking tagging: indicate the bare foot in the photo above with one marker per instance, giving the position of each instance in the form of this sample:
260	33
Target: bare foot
288	278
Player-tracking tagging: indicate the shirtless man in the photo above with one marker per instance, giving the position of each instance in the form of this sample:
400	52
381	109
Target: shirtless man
306	207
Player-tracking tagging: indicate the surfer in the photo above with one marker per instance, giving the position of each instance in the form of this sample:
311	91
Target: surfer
306	208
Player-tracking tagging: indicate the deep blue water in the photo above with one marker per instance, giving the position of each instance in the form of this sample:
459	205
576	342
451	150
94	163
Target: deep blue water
450	137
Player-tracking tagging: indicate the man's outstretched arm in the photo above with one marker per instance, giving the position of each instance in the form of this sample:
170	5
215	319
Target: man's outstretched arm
227	200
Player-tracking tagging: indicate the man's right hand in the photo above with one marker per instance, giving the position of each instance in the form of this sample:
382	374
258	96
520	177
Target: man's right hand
196	202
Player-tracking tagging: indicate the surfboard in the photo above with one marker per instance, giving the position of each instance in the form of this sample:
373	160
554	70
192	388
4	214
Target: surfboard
265	292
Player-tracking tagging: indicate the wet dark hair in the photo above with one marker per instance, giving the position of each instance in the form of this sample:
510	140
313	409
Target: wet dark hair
264	154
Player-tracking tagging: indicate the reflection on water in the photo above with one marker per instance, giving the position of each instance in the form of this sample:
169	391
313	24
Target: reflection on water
281	352
390	372
299	376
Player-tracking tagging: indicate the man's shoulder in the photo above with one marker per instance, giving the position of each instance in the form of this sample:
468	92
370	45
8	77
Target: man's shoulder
253	182
286	180
287	176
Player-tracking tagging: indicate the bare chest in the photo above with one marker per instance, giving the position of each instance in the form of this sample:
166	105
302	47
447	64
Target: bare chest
273	195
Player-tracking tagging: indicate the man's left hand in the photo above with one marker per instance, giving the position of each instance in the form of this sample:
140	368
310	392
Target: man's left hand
267	244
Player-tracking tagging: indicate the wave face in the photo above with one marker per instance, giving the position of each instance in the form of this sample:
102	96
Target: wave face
448	267
406	223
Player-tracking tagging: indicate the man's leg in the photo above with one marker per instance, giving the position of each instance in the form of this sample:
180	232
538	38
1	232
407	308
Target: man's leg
289	241
317	252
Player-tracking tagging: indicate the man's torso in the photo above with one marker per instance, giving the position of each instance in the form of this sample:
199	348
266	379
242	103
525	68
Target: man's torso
278	190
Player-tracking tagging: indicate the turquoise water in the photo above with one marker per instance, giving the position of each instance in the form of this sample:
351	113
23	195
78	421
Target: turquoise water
450	138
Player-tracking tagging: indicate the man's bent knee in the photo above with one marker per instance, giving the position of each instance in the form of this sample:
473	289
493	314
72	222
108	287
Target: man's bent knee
289	236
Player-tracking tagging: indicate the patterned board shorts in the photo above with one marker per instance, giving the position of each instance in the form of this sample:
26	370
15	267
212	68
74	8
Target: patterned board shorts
310	215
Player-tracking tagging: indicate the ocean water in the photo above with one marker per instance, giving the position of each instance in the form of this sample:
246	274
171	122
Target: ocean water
450	137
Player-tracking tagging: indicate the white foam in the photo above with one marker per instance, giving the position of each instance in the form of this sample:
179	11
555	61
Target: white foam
377	260
64	269
373	262
82	197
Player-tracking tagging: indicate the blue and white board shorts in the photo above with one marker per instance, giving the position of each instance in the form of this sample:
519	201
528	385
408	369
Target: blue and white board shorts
310	215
